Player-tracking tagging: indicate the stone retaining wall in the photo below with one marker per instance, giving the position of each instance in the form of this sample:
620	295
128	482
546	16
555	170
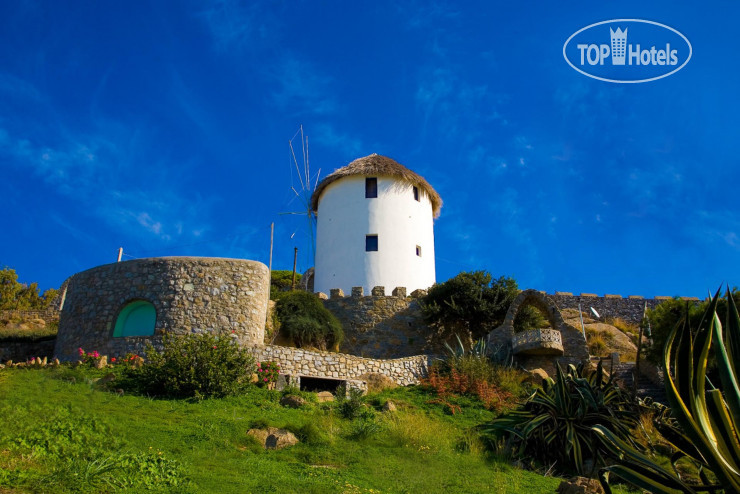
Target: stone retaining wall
340	366
380	325
48	315
190	295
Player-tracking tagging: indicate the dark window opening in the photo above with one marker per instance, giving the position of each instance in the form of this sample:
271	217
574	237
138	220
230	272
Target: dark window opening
416	193
315	384
371	243
418	250
371	187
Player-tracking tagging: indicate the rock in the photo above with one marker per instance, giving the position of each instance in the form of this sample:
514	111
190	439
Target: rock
102	362
324	396
43	361
292	401
389	406
536	376
378	382
2	366
9	363
580	485
254	379
56	362
108	378
273	438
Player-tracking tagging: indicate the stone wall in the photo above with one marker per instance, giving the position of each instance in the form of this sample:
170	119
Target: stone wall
21	351
190	295
312	363
380	325
50	314
630	308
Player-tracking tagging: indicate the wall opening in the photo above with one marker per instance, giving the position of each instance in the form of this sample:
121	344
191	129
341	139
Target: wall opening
416	193
316	384
371	243
137	318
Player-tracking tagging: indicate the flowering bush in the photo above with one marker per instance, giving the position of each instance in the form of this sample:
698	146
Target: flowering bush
193	366
90	358
268	372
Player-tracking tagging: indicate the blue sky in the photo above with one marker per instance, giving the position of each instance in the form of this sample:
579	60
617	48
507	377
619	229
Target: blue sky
163	127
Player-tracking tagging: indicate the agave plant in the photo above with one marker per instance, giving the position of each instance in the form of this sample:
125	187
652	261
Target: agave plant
708	417
556	422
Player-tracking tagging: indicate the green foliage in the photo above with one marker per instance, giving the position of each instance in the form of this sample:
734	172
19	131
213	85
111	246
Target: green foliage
350	402
472	304
194	366
706	419
21	296
556	422
305	320
281	282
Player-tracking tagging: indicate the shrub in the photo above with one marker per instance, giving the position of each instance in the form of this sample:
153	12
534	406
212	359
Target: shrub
350	402
471	305
305	320
281	282
556	422
194	366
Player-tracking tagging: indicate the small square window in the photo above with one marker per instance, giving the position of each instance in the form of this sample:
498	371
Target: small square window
371	187
371	243
416	193
418	250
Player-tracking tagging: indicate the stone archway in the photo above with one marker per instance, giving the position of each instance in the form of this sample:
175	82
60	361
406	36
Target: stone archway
562	343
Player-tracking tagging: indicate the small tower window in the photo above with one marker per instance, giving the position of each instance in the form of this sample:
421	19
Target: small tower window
371	243
418	250
416	193
371	188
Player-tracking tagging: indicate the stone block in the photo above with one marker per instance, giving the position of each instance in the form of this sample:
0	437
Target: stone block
336	293
636	297
565	294
610	295
322	296
358	291
418	293
589	295
399	291
377	291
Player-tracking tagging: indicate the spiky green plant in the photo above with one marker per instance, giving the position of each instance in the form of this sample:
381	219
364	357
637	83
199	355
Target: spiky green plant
555	423
707	417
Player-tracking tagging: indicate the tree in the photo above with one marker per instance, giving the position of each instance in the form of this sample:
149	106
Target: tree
471	305
20	296
307	322
281	281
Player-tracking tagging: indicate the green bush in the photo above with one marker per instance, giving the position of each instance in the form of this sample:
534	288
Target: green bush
194	366
281	282
472	304
305	320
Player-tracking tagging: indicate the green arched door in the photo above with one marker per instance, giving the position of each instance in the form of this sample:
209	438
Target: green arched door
137	318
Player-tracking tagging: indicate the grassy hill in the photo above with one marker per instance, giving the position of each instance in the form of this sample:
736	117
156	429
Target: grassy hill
68	434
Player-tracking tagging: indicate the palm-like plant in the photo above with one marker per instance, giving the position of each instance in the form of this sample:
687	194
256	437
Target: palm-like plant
557	420
708	417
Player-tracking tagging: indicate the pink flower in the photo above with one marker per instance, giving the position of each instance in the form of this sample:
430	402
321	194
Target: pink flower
82	352
113	359
259	370
214	347
265	379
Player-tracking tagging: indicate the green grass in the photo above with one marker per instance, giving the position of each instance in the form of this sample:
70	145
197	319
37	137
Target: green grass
70	436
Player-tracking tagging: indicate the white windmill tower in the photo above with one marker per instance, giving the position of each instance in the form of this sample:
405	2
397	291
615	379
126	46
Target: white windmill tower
375	227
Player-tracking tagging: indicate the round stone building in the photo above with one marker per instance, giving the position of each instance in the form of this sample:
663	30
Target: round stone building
118	308
375	227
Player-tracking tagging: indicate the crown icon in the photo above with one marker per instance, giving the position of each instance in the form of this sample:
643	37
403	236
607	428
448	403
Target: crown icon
619	45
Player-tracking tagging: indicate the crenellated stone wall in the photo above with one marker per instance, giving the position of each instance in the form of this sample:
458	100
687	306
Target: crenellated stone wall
628	308
380	325
190	295
312	363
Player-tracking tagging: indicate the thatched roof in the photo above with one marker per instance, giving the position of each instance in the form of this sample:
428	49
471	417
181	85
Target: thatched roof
376	165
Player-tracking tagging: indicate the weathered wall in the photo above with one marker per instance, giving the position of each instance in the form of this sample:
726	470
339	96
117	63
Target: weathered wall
21	351
190	295
630	308
380	326
312	363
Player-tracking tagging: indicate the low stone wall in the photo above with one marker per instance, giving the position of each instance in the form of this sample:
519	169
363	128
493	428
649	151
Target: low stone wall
630	308
380	325
312	363
48	315
21	351
189	294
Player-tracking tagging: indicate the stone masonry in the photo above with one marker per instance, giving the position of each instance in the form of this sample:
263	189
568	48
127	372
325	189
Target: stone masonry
190	295
298	362
630	308
380	325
